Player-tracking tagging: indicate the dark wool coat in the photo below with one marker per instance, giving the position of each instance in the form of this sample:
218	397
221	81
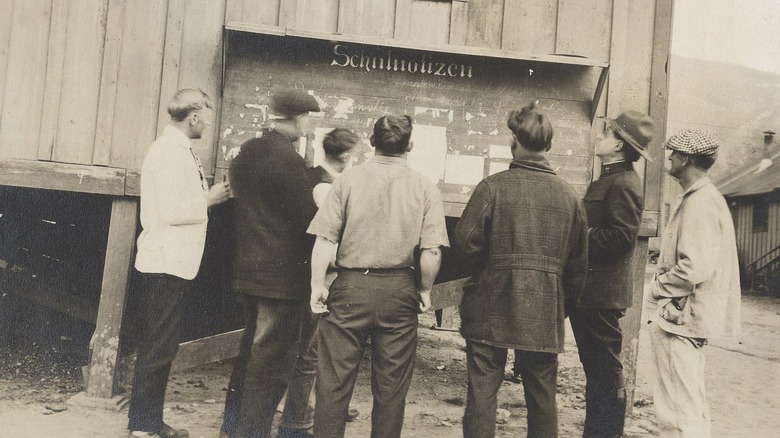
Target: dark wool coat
274	206
526	229
614	207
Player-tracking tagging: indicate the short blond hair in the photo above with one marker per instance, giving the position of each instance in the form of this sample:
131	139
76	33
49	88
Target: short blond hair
186	101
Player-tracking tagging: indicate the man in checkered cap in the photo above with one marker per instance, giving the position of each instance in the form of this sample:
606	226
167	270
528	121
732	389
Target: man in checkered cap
696	293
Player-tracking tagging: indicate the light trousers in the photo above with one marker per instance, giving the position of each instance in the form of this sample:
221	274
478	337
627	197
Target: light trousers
679	395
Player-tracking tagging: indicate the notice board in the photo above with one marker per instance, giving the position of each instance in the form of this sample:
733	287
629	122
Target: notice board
459	104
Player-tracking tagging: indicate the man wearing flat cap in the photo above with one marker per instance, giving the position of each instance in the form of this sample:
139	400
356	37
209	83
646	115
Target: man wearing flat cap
274	206
696	293
614	208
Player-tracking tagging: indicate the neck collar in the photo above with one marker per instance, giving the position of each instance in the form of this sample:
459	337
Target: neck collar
615	167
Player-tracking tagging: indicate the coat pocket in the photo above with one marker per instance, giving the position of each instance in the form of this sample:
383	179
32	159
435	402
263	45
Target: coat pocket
677	311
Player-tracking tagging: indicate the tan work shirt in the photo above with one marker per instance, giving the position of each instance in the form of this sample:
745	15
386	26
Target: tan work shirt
378	213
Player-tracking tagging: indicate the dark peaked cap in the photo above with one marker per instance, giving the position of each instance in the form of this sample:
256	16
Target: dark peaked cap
292	103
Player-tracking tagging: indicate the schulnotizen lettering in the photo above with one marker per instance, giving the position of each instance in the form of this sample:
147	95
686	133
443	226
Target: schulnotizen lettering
427	65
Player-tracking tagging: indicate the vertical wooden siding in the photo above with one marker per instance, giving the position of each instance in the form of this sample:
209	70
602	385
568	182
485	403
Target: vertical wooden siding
88	81
750	245
530	26
570	27
76	117
120	61
25	75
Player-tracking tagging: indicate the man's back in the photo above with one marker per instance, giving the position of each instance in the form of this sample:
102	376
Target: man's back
527	228
386	209
273	207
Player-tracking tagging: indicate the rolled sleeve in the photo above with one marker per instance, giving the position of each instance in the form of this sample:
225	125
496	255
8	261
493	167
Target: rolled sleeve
328	223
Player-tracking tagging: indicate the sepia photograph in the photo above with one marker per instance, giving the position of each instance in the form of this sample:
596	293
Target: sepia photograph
389	218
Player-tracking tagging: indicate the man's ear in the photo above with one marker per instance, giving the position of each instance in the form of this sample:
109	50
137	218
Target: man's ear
410	146
619	146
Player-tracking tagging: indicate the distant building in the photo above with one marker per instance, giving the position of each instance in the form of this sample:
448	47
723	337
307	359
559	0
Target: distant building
753	194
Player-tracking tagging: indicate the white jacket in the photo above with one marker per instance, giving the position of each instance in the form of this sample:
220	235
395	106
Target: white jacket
174	210
699	294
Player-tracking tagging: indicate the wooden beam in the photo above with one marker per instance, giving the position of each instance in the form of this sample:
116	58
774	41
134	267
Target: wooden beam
47	295
649	225
221	346
631	324
133	183
413	45
659	101
61	176
448	293
113	296
594	105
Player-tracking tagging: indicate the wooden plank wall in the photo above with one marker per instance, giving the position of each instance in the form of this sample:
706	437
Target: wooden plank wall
88	81
750	245
107	69
569	27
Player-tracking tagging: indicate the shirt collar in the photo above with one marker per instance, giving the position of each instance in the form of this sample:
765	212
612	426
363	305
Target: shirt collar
534	162
615	167
384	159
697	185
177	136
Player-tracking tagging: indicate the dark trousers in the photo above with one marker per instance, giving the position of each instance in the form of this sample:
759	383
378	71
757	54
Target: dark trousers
298	406
264	366
599	341
539	372
380	306
162	304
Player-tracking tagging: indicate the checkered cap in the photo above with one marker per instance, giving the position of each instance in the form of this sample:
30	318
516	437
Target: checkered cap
694	142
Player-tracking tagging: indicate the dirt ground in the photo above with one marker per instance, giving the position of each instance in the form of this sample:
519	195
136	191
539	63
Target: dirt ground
40	389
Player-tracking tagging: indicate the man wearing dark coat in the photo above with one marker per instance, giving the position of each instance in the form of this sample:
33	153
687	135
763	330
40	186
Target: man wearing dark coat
614	207
525	230
274	205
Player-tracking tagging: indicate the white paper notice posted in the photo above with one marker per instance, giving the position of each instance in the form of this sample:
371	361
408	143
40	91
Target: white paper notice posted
429	151
464	169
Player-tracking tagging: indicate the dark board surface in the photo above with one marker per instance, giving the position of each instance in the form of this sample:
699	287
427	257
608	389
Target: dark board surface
459	103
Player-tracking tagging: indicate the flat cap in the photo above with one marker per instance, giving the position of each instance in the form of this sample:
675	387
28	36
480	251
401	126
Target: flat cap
694	142
292	103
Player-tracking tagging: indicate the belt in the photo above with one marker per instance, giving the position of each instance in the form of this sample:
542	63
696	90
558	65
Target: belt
366	271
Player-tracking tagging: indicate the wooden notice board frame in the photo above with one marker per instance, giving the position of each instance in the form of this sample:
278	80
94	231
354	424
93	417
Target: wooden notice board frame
459	99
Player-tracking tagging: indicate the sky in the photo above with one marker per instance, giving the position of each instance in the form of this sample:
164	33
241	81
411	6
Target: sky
745	32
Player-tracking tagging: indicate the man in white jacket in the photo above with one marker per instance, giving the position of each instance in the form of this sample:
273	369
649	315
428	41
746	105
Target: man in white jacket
175	198
696	294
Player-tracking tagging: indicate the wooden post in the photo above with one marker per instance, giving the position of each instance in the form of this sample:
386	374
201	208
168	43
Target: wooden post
631	324
116	275
657	108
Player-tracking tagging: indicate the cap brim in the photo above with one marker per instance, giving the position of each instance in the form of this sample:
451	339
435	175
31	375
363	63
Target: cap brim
629	139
